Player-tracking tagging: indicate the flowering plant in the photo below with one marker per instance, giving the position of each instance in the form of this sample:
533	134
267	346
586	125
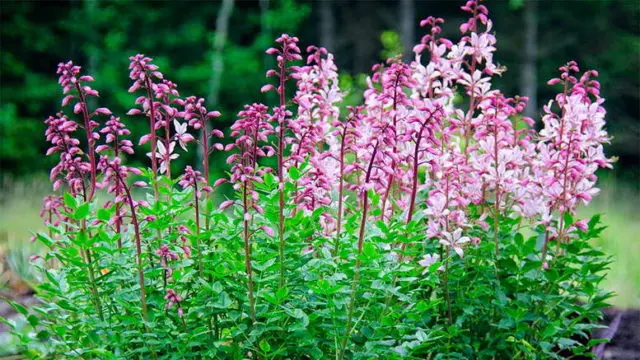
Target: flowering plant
431	221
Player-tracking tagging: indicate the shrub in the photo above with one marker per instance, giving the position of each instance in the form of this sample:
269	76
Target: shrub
432	221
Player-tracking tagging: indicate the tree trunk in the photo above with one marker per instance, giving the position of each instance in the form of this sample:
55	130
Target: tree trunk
327	25
217	65
265	28
528	67
90	8
407	27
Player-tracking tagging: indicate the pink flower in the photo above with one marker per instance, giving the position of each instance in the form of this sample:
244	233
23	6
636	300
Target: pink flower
225	204
182	135
165	155
269	231
173	298
455	241
428	260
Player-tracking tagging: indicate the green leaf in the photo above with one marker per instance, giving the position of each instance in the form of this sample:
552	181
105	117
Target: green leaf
103	214
294	173
70	201
33	320
369	250
568	219
81	212
264	346
282	293
299	314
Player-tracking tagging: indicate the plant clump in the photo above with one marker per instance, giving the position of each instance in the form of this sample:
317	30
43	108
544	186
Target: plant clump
431	221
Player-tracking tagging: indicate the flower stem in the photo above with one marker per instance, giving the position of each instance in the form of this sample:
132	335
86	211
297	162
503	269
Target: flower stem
197	209
247	256
152	125
356	270
336	249
90	141
281	145
136	228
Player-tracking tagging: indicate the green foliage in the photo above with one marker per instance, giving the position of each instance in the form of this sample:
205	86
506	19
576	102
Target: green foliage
391	44
507	306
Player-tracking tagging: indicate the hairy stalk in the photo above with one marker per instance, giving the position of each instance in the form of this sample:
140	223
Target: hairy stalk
90	141
414	177
205	168
446	289
197	209
412	201
281	145
136	228
395	150
496	222
472	97
152	125
356	270
118	224
247	254
336	249
167	140
86	256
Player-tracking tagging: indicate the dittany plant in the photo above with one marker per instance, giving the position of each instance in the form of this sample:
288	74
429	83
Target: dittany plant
432	221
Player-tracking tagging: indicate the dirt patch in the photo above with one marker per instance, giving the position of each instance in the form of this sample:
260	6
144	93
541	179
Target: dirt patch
625	344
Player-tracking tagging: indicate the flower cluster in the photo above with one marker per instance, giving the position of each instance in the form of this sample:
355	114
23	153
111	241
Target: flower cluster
72	167
288	51
173	298
251	133
166	255
191	179
114	131
71	79
52	205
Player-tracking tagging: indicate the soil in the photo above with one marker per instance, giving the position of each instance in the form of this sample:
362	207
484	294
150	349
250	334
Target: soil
625	343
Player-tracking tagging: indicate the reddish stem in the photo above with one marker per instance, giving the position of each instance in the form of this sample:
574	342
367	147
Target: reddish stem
281	146
152	125
197	208
136	228
90	141
340	189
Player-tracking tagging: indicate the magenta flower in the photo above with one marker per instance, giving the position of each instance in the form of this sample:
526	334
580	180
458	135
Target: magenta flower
71	167
114	130
173	298
191	178
166	255
51	211
198	117
71	79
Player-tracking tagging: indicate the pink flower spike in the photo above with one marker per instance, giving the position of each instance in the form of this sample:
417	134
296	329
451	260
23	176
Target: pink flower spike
267	88
103	111
220	182
269	231
226	204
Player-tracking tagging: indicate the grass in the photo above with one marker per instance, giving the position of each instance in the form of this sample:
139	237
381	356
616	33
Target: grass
20	203
621	239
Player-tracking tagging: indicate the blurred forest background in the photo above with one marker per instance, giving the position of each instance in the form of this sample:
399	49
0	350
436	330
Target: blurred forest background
215	49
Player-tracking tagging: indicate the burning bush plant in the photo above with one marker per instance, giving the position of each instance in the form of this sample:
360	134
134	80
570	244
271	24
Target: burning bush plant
432	221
